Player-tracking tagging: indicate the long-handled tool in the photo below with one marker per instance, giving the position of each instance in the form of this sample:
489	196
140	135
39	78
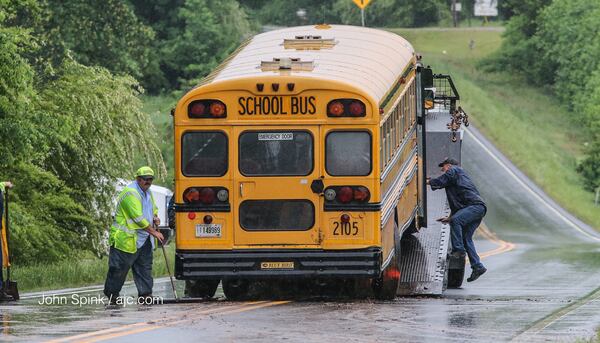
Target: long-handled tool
9	287
168	268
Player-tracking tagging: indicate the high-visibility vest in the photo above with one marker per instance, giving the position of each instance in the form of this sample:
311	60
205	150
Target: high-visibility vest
129	217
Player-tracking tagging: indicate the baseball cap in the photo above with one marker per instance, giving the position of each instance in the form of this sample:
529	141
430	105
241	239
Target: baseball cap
448	160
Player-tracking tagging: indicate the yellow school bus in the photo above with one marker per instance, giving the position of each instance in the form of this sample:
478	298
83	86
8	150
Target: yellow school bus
299	157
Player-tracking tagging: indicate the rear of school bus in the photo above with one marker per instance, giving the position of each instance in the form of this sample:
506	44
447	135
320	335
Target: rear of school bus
276	168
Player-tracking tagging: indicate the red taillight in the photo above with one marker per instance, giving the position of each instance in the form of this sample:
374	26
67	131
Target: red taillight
197	109
207	196
207	109
191	215
345	194
207	219
217	109
191	195
361	194
335	109
356	109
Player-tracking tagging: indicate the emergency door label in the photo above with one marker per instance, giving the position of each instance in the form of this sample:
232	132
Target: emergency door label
276	136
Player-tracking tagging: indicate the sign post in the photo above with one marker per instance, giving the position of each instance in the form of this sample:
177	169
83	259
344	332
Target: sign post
362	4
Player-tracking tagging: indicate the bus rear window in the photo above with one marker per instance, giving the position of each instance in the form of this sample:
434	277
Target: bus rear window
204	153
280	153
348	153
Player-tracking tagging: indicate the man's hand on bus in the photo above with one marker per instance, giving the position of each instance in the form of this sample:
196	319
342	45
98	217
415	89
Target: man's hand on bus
444	220
427	180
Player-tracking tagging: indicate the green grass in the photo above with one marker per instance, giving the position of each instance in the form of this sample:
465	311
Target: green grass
525	122
84	271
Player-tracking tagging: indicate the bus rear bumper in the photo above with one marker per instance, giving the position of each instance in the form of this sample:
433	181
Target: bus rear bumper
190	265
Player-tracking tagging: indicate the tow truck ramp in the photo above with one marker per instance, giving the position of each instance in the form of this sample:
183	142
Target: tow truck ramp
425	268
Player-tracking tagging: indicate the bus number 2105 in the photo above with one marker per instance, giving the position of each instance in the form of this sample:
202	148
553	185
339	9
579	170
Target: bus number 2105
345	229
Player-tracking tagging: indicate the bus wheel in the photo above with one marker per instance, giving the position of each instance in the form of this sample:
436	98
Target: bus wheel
456	271
236	289
201	288
386	286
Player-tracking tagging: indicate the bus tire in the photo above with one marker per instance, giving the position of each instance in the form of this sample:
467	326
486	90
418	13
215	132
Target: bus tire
200	288
236	289
456	272
386	286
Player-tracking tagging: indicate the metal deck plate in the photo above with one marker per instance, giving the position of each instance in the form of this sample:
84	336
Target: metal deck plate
424	254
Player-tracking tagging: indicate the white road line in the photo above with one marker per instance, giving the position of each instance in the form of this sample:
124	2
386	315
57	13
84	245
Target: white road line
535	194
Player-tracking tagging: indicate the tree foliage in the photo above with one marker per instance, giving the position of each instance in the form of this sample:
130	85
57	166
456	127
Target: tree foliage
193	37
556	44
380	13
68	132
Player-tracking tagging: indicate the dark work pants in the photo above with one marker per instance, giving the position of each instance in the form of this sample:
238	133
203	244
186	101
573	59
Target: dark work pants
119	263
462	228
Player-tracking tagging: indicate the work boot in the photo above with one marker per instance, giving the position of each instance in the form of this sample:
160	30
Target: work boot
476	274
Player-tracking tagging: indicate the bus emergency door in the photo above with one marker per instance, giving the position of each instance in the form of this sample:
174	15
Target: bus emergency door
274	203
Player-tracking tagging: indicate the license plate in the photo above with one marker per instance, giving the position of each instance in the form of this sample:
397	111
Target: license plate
208	230
277	265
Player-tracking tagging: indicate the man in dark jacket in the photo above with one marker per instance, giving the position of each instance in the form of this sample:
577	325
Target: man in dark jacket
467	209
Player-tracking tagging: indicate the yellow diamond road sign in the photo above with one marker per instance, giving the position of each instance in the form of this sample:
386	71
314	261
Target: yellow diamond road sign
361	3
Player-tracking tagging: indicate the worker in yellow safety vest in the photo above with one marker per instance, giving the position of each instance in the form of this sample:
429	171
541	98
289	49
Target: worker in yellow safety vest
3	246
130	238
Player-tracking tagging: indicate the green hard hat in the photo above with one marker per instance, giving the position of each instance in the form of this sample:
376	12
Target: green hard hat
144	171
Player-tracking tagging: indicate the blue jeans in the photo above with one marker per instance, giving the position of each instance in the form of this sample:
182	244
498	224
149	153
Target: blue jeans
119	263
462	227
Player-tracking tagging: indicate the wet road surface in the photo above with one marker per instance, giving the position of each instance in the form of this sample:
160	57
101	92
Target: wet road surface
542	285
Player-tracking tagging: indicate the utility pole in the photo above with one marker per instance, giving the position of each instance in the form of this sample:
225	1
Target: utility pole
362	16
454	19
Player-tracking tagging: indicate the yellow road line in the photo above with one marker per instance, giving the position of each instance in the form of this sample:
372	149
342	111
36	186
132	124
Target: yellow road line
163	324
503	246
136	325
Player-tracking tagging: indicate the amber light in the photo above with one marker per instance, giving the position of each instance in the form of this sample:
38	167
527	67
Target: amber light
217	109
191	195
335	108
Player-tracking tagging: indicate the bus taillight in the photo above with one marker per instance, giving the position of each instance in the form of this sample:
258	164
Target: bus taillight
361	194
205	195
346	194
207	109
346	108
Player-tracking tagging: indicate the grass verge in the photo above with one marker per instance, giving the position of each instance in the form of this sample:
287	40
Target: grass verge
84	271
526	123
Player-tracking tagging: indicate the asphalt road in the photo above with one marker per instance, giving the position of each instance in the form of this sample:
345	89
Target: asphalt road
542	285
